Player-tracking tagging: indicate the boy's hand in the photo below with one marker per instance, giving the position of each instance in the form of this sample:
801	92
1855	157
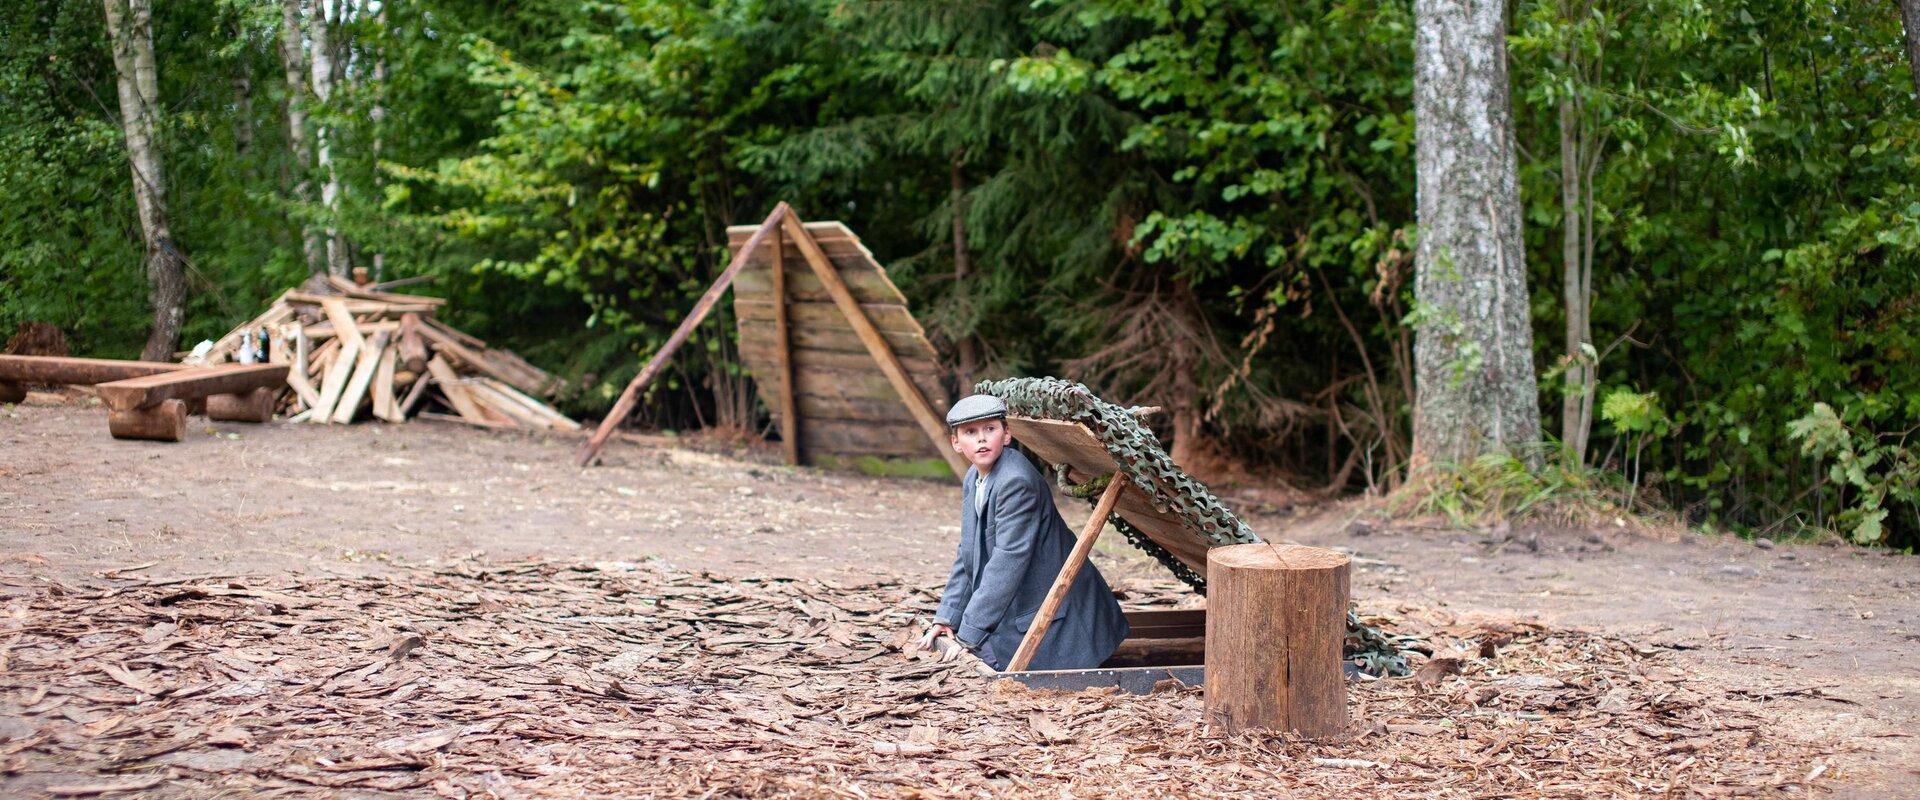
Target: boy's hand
929	640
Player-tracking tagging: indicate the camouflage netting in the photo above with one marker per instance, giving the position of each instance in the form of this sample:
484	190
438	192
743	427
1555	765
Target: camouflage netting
1137	450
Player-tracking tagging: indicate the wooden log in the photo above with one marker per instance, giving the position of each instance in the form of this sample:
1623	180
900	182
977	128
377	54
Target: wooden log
1063	582
165	421
193	383
1276	620
923	413
479	360
254	406
413	346
631	394
12	392
418	391
783	354
32	370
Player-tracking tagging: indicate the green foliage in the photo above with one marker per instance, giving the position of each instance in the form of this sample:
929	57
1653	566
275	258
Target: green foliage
1206	205
1882	471
1500	487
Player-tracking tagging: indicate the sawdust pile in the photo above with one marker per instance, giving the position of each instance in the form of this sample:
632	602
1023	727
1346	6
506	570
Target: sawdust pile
534	679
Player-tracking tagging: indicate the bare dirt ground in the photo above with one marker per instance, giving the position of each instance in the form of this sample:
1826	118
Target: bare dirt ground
1814	645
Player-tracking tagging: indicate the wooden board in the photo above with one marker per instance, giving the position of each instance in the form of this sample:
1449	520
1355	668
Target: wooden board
1070	443
187	384
845	403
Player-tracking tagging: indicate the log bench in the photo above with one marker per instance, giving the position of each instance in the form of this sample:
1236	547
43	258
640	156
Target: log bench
151	400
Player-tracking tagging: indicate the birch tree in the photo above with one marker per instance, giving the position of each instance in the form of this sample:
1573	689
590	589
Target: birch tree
325	14
130	28
293	52
1473	355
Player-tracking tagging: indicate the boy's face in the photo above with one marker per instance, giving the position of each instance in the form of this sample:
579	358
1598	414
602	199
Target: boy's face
981	442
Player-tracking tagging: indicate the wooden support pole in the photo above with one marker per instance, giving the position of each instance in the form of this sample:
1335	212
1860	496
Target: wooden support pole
1276	622
165	421
254	406
931	423
1063	583
783	354
631	394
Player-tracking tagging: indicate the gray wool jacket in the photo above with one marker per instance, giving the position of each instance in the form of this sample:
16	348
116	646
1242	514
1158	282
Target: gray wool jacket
1010	552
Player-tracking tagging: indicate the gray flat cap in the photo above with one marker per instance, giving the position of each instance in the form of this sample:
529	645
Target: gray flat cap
975	407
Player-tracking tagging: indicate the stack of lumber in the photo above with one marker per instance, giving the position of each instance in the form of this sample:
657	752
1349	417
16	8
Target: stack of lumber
353	348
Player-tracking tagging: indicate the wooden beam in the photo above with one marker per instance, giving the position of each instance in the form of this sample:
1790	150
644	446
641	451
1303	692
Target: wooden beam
197	382
783	355
297	375
931	423
383	403
1062	583
631	394
344	325
363	369
81	371
455	391
335	380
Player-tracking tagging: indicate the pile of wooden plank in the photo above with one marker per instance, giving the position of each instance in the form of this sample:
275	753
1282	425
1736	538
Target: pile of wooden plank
353	348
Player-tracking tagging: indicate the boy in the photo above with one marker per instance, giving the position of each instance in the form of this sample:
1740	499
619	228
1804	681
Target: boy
1012	544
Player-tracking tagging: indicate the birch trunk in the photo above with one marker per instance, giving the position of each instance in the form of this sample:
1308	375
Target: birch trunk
1473	348
130	27
293	53
323	80
379	118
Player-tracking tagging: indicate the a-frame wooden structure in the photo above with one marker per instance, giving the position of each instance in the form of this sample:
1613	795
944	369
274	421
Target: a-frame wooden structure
774	301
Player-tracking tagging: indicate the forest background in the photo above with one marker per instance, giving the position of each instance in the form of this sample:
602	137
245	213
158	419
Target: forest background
1202	205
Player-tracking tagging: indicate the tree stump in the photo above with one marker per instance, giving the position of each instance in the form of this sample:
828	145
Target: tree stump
165	421
254	406
1276	623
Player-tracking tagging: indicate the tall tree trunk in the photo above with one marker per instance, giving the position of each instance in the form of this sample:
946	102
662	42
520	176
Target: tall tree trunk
1576	403
293	54
130	26
1910	23
323	80
968	347
1473	349
379	118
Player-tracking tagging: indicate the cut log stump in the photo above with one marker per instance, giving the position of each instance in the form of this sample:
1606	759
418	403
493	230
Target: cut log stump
165	421
1276	621
254	406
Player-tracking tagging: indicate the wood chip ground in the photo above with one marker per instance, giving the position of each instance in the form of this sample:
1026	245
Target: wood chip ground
539	679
